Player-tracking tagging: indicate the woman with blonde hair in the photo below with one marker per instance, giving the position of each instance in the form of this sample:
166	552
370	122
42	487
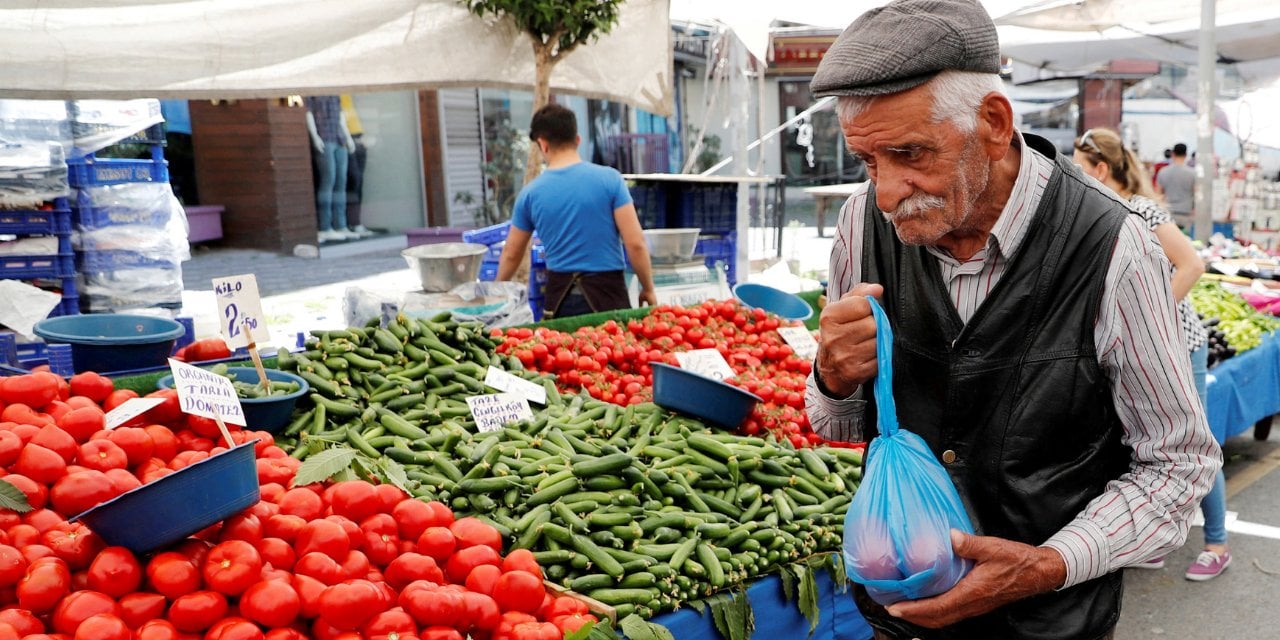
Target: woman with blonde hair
1101	153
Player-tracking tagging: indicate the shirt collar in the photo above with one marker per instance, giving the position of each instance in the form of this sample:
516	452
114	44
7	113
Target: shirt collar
1014	221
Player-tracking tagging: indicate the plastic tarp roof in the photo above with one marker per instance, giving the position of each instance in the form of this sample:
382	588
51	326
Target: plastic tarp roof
270	48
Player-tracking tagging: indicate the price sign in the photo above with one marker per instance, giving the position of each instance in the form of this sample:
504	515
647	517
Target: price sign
131	409
494	410
707	362
206	394
801	341
240	308
503	381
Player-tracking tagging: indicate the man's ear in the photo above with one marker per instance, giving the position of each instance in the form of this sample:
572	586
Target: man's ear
995	125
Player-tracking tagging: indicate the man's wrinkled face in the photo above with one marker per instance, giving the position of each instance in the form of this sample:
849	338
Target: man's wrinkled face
928	175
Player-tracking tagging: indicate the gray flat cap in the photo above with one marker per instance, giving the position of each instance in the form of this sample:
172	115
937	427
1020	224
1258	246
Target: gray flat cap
905	43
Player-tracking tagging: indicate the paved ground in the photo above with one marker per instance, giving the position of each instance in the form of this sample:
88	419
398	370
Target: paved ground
301	294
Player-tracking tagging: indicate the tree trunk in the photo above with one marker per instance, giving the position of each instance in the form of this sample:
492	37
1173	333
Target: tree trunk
543	63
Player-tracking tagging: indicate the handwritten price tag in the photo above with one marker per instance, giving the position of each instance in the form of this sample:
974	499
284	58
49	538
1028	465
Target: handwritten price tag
707	362
801	341
131	409
494	410
239	307
204	393
503	381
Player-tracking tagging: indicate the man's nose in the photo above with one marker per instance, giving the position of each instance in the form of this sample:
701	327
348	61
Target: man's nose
892	187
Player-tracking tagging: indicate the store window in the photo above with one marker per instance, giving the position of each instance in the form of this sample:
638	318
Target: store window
813	150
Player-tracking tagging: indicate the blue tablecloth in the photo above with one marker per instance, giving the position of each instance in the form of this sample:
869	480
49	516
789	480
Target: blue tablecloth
1245	389
778	618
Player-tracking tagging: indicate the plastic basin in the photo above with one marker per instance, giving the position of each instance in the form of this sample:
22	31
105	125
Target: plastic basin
699	396
775	301
112	341
166	510
269	414
441	267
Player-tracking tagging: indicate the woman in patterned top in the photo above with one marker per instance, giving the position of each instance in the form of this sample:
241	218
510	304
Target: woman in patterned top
1102	155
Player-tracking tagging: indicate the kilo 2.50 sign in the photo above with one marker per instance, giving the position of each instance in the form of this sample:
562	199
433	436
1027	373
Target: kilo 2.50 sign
240	310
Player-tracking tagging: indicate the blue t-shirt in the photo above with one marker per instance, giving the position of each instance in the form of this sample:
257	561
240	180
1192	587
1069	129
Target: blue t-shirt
571	208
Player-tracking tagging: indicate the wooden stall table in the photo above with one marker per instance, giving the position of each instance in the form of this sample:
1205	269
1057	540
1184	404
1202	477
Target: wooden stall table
825	195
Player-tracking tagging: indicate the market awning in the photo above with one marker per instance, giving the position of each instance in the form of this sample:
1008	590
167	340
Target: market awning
269	48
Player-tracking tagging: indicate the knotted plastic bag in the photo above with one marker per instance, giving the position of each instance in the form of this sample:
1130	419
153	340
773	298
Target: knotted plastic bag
897	540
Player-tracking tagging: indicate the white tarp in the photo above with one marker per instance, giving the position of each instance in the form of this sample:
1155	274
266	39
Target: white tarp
271	48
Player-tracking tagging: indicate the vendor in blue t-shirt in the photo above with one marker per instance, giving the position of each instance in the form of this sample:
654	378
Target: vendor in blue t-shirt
584	217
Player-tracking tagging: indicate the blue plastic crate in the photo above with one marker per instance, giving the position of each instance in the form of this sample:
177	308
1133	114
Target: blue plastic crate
494	252
650	201
720	248
69	306
710	207
55	221
113	259
488	271
61	265
488	235
92	172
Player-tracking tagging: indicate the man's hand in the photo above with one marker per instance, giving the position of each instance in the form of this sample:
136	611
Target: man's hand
847	354
1003	571
649	297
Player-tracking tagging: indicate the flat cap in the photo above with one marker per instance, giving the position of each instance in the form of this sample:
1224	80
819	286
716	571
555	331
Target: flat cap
905	43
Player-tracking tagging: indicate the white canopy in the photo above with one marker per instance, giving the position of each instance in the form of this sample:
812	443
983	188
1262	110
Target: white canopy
270	48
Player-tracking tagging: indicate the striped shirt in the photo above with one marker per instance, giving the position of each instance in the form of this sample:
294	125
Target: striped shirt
1147	511
1192	329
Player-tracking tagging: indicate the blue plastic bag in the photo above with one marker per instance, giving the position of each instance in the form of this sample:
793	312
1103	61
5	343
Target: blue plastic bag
897	540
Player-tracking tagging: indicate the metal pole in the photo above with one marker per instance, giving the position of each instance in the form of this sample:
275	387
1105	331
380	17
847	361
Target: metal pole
1206	159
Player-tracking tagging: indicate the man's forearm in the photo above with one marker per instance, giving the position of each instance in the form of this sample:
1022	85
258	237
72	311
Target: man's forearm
831	418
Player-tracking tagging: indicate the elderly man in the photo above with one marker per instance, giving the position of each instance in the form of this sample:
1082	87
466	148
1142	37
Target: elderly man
1037	348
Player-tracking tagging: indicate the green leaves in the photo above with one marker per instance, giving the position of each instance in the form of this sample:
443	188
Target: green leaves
808	592
324	465
566	23
637	628
733	616
12	498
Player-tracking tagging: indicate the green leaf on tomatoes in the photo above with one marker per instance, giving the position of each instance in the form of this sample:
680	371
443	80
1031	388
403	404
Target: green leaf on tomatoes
324	465
637	628
583	632
394	473
12	498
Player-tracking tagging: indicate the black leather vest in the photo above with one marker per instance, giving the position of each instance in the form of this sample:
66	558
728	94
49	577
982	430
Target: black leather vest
1016	394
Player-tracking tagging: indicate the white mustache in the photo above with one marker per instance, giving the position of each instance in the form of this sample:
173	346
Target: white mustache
915	204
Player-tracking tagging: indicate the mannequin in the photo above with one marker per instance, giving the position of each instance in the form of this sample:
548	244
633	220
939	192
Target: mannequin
355	166
331	143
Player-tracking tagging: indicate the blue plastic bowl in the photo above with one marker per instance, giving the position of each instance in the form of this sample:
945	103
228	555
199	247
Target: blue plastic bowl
269	414
112	341
187	501
775	301
700	396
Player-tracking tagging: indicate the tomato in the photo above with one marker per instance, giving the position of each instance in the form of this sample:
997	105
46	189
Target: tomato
277	553
102	455
303	503
381	538
411	567
231	567
46	582
115	571
80	606
440	633
354	499
480	611
173	575
324	536
74	543
37	494
437	542
309	590
91	385
207	349
10	446
349	605
78	492
164	445
243	526
483	579
273	603
25	415
34	390
519	591
461	563
157	630
284	634
23	621
431	605
136	609
197	611
389	496
413	517
42	520
103	626
82	423
283	526
570	623
470	532
40	464
118	397
195	549
395	620
234	629
522	560
321	567
135	442
356	564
